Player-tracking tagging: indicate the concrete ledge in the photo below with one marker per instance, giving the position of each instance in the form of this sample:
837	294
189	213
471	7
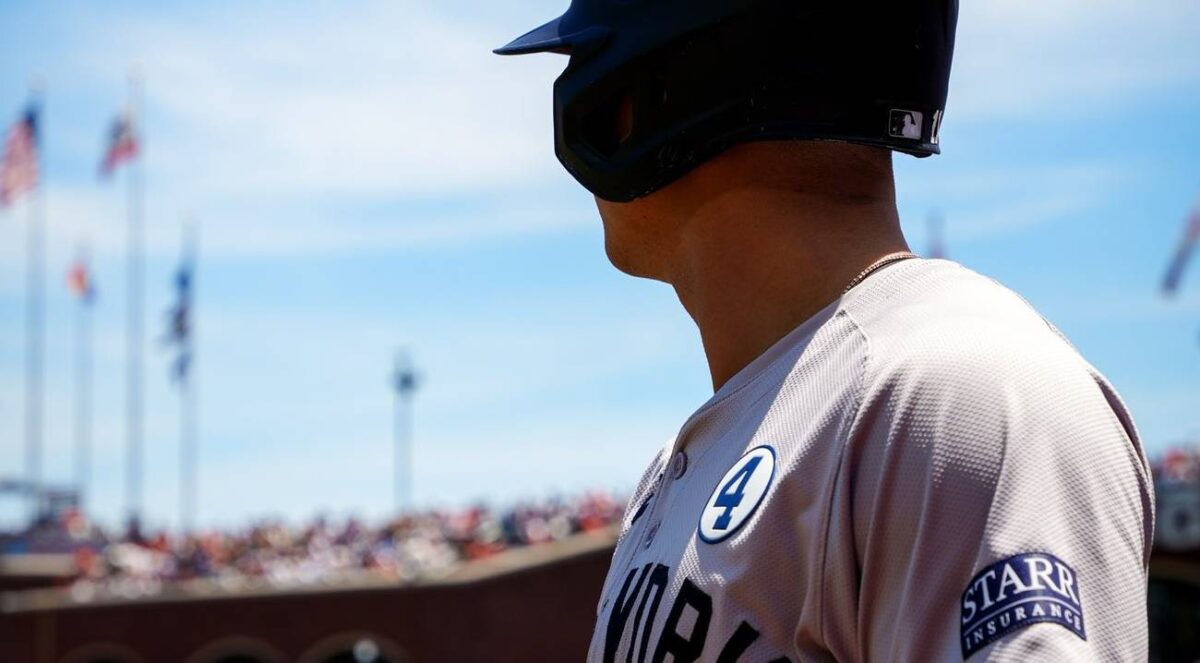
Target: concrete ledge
50	566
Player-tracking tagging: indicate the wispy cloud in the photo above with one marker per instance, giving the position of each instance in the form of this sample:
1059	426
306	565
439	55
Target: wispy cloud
1129	305
983	203
1041	60
379	100
95	216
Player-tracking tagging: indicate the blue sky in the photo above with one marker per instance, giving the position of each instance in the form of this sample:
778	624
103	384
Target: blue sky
366	176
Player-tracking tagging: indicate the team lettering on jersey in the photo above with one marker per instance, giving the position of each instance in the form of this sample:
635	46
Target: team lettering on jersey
1017	592
637	605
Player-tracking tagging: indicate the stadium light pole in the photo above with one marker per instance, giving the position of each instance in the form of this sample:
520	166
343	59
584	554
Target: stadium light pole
404	384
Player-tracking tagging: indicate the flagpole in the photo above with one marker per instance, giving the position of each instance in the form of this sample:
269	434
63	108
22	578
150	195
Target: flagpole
135	320
404	383
189	497
83	381
188	421
35	334
35	349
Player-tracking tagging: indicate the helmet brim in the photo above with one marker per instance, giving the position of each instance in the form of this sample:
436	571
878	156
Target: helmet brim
546	38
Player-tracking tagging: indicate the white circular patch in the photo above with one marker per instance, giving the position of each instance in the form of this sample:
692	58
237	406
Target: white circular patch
737	495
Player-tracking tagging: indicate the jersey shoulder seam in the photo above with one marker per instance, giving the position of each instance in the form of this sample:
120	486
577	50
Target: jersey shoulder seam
847	425
849	430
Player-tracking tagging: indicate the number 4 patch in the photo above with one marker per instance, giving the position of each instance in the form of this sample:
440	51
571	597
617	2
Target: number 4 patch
737	495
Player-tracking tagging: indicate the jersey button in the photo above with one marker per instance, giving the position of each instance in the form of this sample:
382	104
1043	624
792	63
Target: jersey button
679	465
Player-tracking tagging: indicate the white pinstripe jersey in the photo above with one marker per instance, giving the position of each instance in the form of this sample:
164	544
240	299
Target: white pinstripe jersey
923	471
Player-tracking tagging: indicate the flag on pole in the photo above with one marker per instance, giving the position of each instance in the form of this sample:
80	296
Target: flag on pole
19	168
1183	253
179	323
79	280
122	144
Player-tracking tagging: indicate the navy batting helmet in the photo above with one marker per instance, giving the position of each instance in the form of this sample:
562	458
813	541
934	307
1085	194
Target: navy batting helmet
702	75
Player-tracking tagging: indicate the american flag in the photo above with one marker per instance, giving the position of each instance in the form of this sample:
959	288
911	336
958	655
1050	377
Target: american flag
122	144
1183	253
19	169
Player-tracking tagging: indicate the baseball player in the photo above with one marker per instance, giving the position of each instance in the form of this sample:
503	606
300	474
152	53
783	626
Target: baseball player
902	461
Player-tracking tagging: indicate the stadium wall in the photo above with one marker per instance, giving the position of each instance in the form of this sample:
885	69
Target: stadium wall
533	604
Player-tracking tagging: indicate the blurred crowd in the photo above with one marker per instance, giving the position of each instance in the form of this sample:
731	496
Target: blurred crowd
1178	465
412	546
1177	509
322	552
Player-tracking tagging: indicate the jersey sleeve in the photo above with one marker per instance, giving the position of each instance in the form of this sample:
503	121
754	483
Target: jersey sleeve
1001	510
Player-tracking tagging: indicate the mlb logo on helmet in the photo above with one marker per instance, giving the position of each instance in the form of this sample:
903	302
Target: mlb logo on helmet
906	124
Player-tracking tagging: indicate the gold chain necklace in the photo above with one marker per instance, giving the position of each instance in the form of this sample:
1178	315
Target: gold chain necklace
877	265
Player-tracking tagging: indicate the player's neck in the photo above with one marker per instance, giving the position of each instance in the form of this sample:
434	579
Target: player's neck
754	264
